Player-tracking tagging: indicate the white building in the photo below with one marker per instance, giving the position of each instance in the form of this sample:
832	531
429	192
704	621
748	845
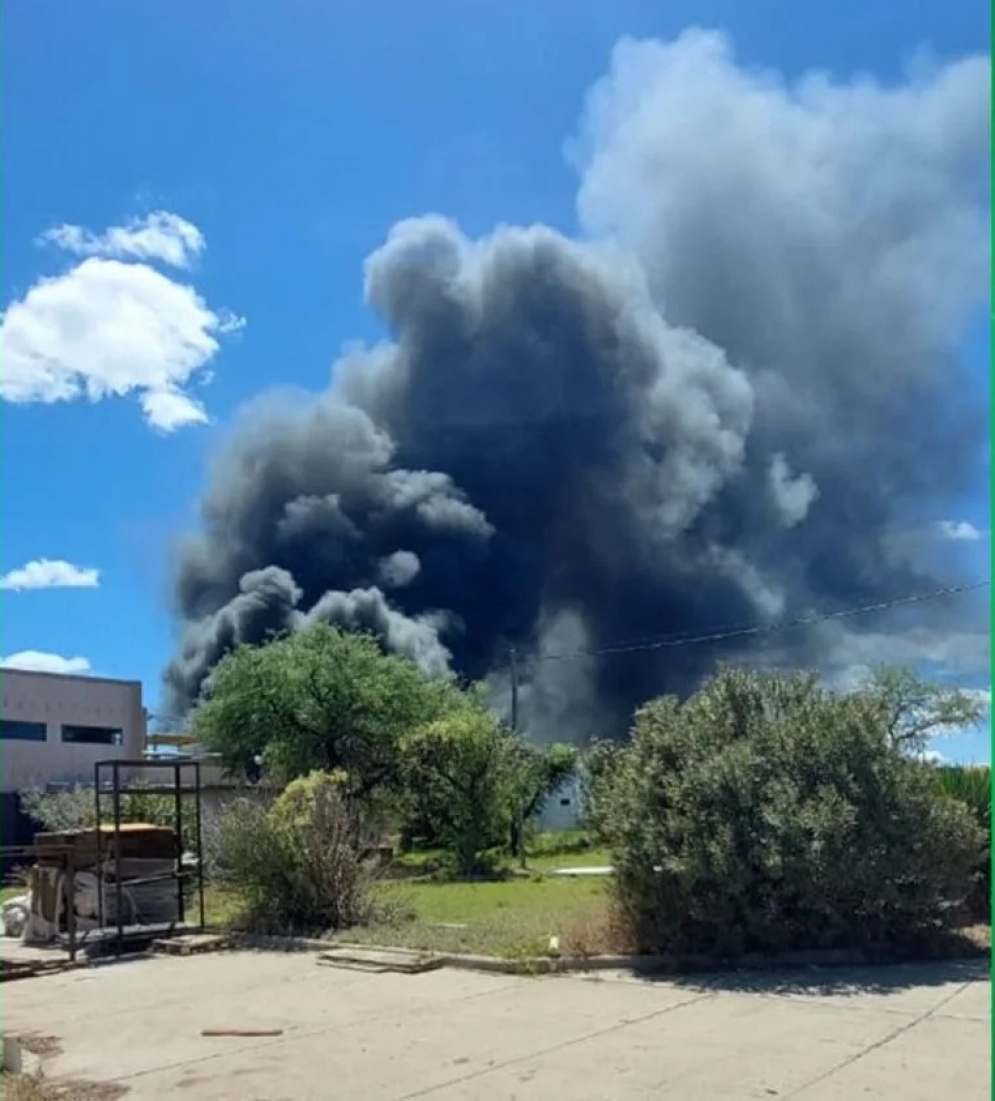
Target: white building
54	727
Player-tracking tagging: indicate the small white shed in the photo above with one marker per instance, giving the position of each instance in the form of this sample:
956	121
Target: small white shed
562	809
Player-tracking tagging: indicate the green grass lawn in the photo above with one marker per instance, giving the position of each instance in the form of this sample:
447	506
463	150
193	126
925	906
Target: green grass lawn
548	862
513	917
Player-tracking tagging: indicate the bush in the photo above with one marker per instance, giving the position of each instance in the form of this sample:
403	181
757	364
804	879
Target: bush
972	786
601	759
766	814
300	862
74	808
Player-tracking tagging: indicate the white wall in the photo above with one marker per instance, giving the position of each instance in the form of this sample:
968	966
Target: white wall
55	699
562	809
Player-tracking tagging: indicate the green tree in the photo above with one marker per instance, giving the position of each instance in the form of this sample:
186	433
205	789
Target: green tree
913	709
321	699
460	773
766	813
537	772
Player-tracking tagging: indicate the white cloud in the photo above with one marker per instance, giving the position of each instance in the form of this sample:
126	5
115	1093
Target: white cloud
50	573
171	409
961	531
792	495
38	661
933	757
948	652
158	236
109	328
956	654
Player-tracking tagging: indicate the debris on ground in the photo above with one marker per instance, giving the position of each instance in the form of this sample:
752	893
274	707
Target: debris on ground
15	915
242	1032
26	1087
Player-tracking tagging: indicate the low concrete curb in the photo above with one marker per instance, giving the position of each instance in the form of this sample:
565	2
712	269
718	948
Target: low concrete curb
18	1060
643	965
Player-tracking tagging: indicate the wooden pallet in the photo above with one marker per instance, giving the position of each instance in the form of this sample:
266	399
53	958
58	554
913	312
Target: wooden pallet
191	944
12	970
381	961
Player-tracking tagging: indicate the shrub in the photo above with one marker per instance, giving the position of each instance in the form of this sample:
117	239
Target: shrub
73	808
553	843
601	759
766	814
299	863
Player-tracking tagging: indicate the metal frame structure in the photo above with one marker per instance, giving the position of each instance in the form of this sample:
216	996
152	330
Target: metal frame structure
65	856
178	790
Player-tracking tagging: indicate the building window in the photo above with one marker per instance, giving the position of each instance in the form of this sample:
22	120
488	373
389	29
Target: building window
91	735
14	730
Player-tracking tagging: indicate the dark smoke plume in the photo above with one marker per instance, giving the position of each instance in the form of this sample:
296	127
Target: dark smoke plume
715	409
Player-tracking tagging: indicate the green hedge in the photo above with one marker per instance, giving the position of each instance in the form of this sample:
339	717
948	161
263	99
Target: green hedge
767	814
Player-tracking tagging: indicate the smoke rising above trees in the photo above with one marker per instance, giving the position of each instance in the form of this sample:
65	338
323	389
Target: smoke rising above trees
714	407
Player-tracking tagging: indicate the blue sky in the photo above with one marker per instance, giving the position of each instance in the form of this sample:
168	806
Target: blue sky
287	140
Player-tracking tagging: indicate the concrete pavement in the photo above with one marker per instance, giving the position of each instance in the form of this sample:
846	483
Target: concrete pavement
916	1033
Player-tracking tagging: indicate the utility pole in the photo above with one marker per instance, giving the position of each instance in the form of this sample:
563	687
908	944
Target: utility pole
519	810
513	658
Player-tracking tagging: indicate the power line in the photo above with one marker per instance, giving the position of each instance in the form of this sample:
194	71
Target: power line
720	634
675	640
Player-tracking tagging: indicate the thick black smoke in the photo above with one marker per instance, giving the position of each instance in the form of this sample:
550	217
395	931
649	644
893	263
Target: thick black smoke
715	409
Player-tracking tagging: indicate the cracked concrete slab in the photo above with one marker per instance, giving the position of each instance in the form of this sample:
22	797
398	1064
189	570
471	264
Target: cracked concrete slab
911	1032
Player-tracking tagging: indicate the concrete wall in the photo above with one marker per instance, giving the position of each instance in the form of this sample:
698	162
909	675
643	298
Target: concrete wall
55	700
216	789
